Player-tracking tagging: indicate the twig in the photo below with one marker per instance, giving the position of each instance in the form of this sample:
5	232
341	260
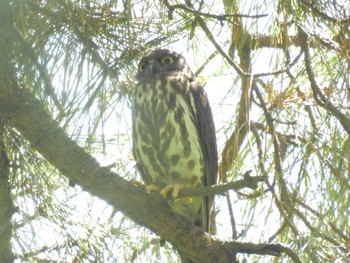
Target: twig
317	94
262	249
247	182
199	13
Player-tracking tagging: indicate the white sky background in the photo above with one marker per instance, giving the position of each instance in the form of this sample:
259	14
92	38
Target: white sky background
94	212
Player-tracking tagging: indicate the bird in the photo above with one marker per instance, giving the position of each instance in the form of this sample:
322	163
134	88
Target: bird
173	131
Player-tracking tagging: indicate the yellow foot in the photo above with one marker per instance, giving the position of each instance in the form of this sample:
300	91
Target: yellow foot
137	183
151	188
175	192
148	188
171	187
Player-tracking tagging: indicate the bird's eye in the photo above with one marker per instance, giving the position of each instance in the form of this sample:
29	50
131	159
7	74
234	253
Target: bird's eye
142	67
167	60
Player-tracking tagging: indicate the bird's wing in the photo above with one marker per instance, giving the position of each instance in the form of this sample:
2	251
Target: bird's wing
206	130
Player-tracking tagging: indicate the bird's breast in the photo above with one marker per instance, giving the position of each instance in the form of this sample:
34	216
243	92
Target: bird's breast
165	133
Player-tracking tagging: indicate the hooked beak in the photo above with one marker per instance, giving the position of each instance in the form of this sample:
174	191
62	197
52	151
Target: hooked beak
152	69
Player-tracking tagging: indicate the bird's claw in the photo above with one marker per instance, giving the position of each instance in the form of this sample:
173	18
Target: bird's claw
148	188
171	187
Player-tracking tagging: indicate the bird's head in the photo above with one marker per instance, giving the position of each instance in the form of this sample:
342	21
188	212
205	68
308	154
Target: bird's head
161	62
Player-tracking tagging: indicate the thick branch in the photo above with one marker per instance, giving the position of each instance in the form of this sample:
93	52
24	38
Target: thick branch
27	115
6	205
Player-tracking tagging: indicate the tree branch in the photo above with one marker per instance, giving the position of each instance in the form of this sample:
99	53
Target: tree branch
263	249
6	204
220	189
317	94
225	17
27	114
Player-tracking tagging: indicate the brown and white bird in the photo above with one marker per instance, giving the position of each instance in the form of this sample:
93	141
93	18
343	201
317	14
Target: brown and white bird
174	140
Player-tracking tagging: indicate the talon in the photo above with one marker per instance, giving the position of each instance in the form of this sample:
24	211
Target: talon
165	191
175	188
148	188
137	183
151	188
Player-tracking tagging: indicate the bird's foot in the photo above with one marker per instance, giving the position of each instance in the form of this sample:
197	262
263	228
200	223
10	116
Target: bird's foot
175	188
137	183
152	188
148	188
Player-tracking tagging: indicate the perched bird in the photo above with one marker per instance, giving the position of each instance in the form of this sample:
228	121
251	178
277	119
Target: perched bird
174	140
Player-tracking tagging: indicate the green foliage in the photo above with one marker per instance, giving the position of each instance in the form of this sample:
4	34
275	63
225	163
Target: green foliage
273	116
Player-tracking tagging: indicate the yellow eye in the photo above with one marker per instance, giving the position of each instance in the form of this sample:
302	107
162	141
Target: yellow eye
167	60
142	67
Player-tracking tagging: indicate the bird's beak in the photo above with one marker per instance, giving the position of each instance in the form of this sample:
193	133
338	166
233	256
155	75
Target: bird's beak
152	68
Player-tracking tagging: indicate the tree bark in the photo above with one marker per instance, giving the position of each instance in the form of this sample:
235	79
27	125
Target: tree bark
28	116
6	205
